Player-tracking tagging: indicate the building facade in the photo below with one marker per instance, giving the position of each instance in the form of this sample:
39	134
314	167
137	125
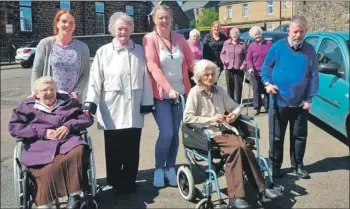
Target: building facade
25	21
245	14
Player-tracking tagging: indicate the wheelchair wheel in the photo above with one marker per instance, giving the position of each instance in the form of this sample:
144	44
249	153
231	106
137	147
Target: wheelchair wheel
17	178
92	170
186	183
205	204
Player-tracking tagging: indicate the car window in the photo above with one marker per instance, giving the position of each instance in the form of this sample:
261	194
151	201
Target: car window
312	40
329	52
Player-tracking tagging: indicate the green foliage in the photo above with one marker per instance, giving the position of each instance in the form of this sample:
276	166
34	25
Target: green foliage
193	24
207	17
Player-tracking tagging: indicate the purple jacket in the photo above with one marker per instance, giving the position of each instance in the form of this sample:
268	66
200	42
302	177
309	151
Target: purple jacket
233	56
30	124
256	55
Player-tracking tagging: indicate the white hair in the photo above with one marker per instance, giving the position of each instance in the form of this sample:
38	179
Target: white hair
255	30
43	80
119	16
235	31
200	67
195	32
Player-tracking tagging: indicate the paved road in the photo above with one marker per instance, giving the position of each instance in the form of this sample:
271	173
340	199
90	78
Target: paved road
327	158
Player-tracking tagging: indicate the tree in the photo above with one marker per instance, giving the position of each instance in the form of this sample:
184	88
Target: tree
207	17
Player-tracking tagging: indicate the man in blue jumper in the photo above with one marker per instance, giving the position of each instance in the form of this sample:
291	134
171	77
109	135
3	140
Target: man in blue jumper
290	72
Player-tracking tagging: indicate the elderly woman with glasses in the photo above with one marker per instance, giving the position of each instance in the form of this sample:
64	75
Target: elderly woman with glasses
121	88
49	126
233	56
256	54
205	107
195	46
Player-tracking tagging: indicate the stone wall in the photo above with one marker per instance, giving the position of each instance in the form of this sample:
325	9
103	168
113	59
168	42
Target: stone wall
324	15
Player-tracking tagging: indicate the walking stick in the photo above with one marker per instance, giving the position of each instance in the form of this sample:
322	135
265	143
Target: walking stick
242	94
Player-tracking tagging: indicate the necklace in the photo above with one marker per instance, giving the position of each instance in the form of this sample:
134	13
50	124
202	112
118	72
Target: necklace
171	45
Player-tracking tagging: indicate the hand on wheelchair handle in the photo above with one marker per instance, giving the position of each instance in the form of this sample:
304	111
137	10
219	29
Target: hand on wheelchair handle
89	108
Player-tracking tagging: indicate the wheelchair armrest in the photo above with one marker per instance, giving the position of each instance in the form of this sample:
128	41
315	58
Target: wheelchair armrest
83	132
246	118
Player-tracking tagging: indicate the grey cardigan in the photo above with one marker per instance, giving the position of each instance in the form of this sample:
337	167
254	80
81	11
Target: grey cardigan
42	67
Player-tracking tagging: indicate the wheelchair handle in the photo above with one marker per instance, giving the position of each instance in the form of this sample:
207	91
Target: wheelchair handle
246	117
182	101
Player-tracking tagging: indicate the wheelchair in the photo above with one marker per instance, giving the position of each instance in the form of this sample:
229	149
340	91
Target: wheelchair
25	184
199	146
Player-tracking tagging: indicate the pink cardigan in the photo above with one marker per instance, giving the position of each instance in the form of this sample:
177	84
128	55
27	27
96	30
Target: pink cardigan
159	81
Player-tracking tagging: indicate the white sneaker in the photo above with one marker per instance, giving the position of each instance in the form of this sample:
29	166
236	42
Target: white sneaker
158	178
170	174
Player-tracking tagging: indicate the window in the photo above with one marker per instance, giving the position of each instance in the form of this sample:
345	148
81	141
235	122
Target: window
25	13
312	40
269	27
284	5
229	12
245	10
65	5
100	17
270	7
129	10
329	52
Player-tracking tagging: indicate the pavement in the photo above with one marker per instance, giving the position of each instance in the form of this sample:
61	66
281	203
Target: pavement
326	158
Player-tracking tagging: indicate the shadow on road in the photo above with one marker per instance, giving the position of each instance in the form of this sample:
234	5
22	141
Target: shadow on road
329	130
145	194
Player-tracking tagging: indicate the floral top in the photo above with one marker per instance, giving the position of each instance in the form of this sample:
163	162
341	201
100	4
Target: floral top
65	66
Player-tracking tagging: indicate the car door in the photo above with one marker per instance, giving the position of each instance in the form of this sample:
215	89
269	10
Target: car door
333	93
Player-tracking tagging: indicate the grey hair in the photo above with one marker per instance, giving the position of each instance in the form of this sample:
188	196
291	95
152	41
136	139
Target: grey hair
255	30
236	31
298	20
119	16
195	32
43	80
199	70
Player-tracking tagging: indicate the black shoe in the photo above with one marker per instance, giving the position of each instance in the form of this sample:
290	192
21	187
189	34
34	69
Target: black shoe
238	203
256	112
73	202
301	172
277	173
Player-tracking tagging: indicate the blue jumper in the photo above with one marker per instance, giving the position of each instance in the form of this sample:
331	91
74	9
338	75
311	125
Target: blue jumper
294	72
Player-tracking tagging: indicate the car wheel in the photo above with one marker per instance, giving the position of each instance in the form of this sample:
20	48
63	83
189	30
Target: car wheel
25	64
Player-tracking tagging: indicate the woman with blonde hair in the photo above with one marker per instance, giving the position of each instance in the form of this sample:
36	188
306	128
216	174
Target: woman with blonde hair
66	59
213	43
168	59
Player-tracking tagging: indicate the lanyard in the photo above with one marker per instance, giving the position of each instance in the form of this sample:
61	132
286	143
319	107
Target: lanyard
171	45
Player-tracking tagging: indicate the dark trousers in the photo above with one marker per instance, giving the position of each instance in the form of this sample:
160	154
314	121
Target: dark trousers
258	90
234	83
240	158
297	118
122	152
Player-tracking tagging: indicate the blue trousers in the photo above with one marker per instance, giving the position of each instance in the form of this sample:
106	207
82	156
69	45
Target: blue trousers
297	118
168	117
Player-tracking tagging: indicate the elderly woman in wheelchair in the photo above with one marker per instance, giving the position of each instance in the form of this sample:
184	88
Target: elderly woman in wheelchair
54	152
205	108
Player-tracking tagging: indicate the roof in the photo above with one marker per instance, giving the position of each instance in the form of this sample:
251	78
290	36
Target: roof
345	35
188	5
222	3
